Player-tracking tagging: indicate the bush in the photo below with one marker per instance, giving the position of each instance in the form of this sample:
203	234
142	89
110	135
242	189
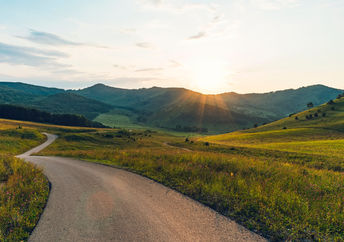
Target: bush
340	96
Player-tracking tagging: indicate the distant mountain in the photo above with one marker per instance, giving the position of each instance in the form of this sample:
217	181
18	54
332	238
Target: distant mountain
30	89
169	107
71	103
282	103
50	99
172	108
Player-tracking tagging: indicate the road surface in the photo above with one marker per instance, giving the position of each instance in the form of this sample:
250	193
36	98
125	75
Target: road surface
91	202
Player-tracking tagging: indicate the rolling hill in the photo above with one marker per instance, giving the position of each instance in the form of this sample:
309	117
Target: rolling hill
71	103
50	100
170	108
318	125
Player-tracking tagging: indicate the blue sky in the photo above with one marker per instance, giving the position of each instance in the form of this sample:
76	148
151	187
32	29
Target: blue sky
208	46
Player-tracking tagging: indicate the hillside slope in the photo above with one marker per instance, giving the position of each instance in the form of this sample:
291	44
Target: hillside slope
322	126
73	104
171	107
50	99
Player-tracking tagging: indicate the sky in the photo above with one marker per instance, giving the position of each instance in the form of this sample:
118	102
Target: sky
210	46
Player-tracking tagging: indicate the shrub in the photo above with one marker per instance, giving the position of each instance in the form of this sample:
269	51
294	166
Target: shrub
310	105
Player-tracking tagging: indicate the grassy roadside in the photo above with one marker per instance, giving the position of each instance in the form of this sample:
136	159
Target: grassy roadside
281	195
23	187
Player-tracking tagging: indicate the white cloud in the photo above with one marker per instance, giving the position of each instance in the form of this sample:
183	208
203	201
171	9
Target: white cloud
145	45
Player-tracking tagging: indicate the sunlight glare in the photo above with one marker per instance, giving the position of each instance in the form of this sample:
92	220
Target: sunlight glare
209	77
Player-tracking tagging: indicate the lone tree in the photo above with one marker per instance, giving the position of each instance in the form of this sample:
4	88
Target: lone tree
310	105
340	96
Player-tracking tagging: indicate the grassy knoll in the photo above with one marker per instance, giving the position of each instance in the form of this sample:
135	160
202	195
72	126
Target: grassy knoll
283	195
23	187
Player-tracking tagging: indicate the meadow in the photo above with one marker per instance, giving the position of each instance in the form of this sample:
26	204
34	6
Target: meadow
283	180
23	187
280	195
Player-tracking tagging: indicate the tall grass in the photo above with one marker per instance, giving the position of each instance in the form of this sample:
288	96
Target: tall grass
279	199
23	187
23	195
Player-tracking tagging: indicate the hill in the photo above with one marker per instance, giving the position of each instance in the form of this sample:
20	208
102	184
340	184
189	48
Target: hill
328	116
11	92
317	131
71	103
175	107
169	108
50	99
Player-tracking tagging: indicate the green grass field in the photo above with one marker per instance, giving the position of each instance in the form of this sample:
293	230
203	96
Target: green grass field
23	187
286	184
283	180
125	120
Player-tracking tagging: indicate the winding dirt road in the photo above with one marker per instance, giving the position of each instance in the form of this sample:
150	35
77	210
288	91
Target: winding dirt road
90	202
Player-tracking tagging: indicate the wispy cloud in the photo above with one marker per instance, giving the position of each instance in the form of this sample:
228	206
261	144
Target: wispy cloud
149	70
174	63
145	45
19	55
200	35
121	67
45	38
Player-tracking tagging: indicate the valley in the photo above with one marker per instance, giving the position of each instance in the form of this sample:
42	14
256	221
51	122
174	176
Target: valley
282	180
171	109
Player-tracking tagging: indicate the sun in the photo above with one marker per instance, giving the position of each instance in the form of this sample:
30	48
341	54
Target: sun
209	77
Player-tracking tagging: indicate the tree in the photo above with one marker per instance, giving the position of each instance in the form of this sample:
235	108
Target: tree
310	105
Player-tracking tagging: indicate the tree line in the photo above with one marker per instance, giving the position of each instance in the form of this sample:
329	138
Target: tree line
8	111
